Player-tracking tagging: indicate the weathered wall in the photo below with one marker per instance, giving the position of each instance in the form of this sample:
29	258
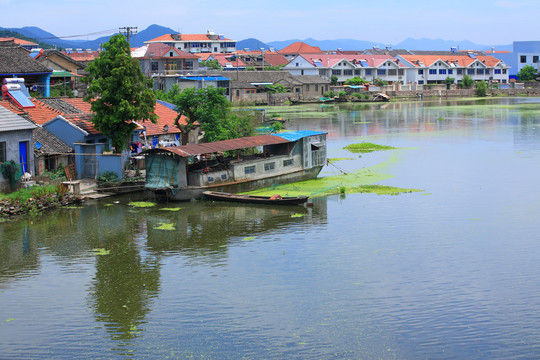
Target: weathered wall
12	139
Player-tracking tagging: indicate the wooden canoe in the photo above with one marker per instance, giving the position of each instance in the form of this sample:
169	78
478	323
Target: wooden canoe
223	196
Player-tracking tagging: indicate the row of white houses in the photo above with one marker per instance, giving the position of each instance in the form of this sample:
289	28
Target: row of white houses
419	69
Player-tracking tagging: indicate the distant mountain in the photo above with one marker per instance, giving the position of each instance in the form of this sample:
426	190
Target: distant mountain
251	44
408	44
137	40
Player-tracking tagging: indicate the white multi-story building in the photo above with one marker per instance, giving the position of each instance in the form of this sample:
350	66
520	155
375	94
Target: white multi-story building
197	43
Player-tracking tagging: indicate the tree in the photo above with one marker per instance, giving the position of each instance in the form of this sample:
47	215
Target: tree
276	88
211	64
119	93
527	73
379	82
481	89
333	80
355	81
467	82
449	80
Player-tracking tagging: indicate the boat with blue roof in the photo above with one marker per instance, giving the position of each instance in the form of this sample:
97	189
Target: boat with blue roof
238	165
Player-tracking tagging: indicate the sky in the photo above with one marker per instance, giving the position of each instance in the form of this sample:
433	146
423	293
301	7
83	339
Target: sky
385	21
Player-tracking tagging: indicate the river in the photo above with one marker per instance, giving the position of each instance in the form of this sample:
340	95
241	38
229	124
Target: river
450	272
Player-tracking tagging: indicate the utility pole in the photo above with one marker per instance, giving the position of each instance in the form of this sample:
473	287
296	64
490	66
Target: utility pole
127	31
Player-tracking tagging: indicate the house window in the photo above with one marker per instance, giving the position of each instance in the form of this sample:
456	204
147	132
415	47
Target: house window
297	64
480	71
188	65
450	71
442	71
523	59
420	82
336	72
486	71
400	72
347	72
155	66
497	71
249	170
504	71
269	166
535	59
392	72
307	87
2	151
237	92
357	72
433	71
316	87
381	71
470	71
287	162
421	72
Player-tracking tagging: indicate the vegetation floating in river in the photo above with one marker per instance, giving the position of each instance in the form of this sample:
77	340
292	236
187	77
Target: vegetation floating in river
165	226
333	160
249	238
297	215
141	204
101	252
366	147
170	209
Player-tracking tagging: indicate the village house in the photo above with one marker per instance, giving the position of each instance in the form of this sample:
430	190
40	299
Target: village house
15	143
298	48
16	62
197	43
66	71
25	44
434	69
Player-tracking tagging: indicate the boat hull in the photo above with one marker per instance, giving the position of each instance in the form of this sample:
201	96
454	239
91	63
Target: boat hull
196	192
267	200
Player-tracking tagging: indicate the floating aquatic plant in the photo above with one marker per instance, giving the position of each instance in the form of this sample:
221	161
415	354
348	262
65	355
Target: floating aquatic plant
8	320
101	251
165	226
249	238
141	204
333	160
297	215
170	209
366	147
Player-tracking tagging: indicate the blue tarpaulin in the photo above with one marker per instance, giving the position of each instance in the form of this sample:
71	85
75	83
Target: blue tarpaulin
297	135
206	78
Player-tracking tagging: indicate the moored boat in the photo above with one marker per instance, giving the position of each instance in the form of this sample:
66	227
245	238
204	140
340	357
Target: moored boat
253	199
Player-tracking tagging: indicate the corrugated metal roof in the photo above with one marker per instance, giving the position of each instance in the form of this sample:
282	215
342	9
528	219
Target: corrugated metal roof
206	78
10	121
297	135
166	104
225	145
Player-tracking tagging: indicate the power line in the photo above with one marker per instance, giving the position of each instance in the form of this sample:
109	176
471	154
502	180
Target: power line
128	31
74	36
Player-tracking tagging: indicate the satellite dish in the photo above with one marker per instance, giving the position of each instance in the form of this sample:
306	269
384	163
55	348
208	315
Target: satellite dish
37	145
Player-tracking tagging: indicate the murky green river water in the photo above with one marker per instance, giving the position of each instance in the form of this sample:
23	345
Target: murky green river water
452	272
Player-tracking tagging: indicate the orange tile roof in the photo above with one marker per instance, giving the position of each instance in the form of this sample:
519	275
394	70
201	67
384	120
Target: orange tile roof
185	37
17	41
463	60
39	114
82	56
300	48
166	37
275	59
166	117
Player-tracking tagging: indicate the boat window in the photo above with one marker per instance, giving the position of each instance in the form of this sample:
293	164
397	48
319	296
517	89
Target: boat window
249	169
224	176
269	166
210	179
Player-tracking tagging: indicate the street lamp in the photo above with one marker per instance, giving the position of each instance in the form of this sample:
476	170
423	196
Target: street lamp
262	53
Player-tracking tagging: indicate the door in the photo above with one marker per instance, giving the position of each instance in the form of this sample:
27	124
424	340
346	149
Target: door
23	156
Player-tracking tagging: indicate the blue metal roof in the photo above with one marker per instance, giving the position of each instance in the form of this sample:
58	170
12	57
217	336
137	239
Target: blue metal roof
297	135
166	104
206	78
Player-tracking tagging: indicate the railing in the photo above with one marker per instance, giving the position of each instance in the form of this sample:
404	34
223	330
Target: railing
187	73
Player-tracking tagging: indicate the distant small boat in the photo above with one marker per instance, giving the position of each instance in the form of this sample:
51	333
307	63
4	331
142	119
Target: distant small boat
273	200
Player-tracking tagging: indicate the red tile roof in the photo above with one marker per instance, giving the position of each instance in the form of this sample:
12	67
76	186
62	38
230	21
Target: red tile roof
166	117
166	37
18	41
300	48
185	37
462	60
275	59
82	56
333	59
160	50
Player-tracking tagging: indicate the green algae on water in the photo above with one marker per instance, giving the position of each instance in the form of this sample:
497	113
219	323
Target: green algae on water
101	251
366	147
165	226
297	215
333	160
8	320
384	190
170	209
249	238
141	204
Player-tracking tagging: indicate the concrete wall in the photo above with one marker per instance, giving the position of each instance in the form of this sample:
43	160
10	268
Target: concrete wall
238	169
12	139
64	131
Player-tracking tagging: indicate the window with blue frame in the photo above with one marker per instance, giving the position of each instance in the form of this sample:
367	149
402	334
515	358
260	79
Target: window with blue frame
433	71
497	71
480	71
459	71
470	71
421	72
450	71
381	71
442	71
368	71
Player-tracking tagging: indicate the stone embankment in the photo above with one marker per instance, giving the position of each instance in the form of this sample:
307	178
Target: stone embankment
34	206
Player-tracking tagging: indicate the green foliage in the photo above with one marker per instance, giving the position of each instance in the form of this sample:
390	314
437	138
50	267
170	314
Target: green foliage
56	174
250	68
467	82
342	93
449	80
11	171
481	89
355	81
527	73
366	147
211	64
333	80
210	109
27	195
107	176
274	67
379	82
119	92
276	88
330	94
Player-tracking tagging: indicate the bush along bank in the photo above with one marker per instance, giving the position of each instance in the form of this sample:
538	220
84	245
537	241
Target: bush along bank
34	200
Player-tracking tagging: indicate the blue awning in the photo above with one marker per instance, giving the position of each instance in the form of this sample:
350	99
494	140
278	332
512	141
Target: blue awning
297	135
205	78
